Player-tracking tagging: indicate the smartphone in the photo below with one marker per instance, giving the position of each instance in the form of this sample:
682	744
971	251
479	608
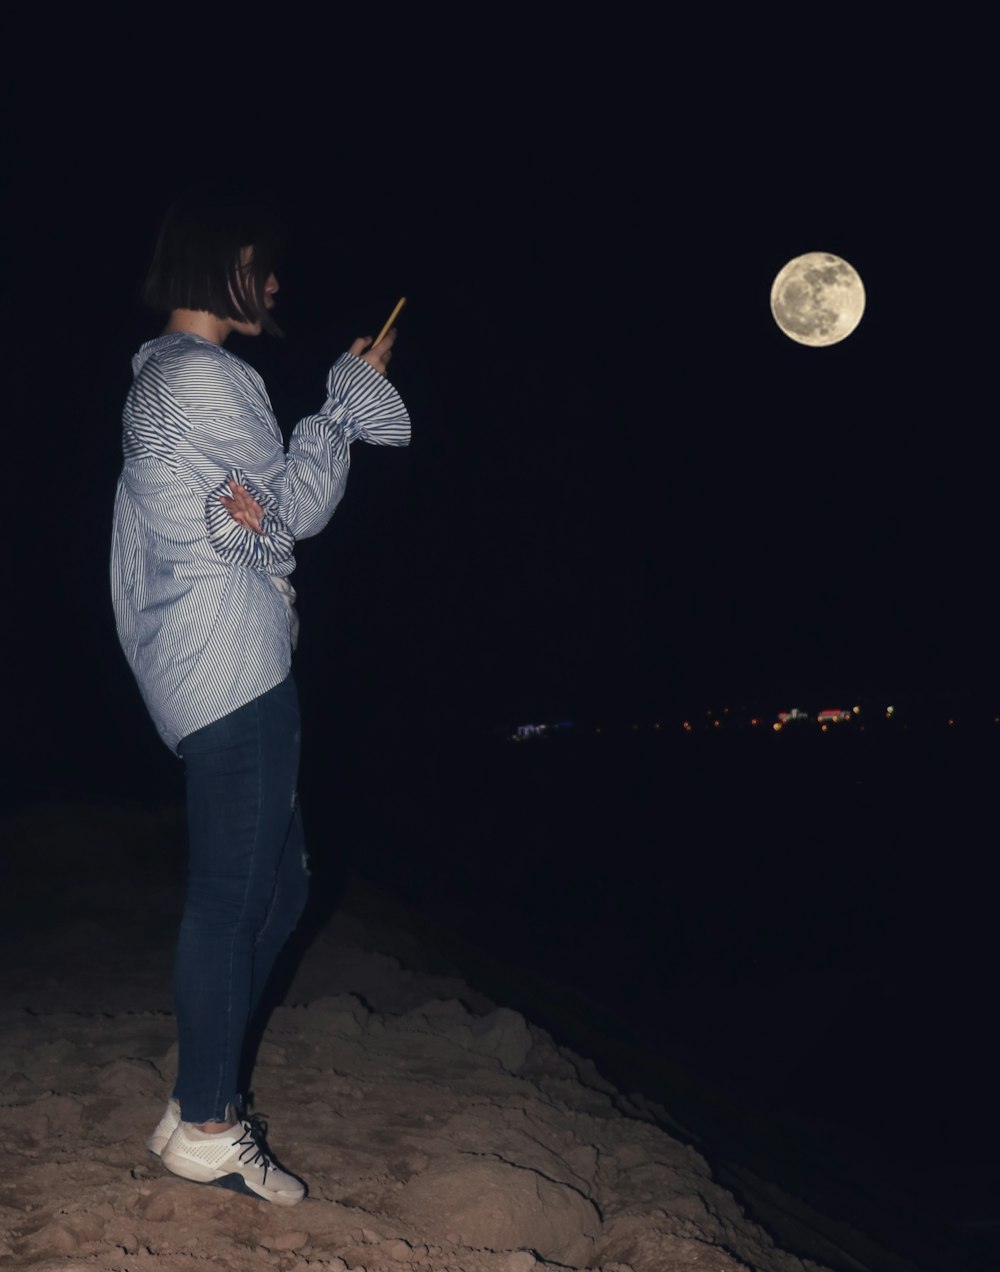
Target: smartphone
389	321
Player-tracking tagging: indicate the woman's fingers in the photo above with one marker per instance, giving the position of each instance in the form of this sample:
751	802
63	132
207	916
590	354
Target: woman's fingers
242	507
378	355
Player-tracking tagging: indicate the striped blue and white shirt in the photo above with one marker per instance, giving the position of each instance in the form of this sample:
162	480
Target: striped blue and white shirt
203	627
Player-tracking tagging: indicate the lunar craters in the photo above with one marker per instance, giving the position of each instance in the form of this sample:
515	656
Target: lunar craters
817	299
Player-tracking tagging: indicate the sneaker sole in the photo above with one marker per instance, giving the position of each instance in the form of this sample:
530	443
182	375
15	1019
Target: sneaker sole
237	1184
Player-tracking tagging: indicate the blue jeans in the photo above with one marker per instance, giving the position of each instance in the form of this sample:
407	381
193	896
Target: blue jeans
247	885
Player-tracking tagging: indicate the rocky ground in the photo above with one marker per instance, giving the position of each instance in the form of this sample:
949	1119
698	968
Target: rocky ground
436	1129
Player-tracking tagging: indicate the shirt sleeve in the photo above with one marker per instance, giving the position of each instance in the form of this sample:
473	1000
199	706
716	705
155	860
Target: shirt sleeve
190	429
360	404
231	426
273	546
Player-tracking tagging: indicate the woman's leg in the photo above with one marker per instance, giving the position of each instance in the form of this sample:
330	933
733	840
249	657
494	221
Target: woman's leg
291	891
242	774
287	904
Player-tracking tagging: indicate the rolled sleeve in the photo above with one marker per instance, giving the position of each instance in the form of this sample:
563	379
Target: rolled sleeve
236	544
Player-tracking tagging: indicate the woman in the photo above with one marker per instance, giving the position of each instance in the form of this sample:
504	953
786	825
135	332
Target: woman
208	508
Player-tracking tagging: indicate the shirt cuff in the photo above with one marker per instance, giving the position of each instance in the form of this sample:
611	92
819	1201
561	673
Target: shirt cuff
236	544
365	404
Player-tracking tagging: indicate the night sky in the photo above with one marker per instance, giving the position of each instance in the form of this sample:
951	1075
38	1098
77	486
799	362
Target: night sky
628	495
626	488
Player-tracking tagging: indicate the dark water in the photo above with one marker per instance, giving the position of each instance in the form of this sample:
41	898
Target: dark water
788	941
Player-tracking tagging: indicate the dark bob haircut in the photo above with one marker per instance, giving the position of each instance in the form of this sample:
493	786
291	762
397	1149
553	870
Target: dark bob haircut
197	263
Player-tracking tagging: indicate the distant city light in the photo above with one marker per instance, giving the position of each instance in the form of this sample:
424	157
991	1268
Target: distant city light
739	719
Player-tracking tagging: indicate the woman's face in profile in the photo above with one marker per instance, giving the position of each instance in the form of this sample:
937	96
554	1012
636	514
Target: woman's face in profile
270	287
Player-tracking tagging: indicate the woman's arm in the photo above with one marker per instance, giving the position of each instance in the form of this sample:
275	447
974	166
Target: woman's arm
361	404
244	527
191	427
231	426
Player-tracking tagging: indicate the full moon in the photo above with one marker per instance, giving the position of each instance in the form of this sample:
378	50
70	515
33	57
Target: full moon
817	299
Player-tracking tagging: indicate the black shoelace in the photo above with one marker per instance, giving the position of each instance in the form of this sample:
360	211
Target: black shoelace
254	1141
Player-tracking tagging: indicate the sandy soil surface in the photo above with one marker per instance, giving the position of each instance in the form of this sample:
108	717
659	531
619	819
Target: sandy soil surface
436	1129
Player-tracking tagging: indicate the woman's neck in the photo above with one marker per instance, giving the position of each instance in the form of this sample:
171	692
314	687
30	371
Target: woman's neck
199	322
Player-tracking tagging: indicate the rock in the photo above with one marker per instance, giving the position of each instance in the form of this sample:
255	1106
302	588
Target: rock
504	1034
65	1235
345	1015
489	1204
285	1241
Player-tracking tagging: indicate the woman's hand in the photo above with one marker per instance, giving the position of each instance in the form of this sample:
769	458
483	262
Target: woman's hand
242	507
378	356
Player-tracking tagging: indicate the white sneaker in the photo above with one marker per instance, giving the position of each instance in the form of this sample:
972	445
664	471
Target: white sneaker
236	1159
165	1128
168	1124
